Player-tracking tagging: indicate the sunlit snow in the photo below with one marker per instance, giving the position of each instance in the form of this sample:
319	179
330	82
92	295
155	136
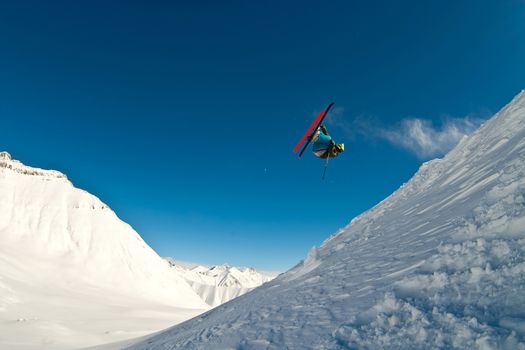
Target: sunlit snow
438	264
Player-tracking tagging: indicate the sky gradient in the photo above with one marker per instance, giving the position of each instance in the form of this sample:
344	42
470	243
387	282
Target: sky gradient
182	116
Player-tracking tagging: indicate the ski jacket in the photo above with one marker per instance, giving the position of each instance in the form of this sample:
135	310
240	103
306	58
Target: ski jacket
323	145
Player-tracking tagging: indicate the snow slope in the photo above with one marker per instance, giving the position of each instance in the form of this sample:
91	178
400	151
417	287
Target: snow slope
72	273
219	284
438	264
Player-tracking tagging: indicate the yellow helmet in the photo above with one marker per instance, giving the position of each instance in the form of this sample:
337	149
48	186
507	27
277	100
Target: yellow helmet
340	147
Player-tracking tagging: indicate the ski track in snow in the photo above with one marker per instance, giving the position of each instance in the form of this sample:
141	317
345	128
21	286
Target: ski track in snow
438	264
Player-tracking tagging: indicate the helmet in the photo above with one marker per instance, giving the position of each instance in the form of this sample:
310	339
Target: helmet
340	147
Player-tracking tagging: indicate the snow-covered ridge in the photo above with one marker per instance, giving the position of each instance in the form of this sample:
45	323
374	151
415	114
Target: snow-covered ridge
6	162
438	264
221	283
471	147
68	265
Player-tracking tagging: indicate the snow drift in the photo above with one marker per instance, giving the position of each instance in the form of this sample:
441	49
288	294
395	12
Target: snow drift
438	264
69	265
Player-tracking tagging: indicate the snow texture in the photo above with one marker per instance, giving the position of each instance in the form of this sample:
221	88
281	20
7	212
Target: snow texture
438	264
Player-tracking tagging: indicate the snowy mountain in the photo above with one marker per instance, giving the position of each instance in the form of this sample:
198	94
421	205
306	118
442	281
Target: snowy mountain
219	284
72	273
438	264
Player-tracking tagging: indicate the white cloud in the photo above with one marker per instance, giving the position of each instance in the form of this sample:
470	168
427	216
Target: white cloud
422	138
419	136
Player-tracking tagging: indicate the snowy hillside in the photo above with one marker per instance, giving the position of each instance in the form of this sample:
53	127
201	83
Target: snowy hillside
438	264
219	284
72	273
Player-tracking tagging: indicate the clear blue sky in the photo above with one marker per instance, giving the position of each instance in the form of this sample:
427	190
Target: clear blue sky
182	115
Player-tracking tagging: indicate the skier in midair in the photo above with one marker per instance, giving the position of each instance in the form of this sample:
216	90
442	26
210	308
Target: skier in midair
324	146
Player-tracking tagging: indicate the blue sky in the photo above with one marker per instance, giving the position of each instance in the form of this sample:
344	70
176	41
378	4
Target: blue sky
182	116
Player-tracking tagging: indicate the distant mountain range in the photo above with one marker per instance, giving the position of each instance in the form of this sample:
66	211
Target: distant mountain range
219	284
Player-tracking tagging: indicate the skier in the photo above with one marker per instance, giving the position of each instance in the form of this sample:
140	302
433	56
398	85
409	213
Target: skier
324	146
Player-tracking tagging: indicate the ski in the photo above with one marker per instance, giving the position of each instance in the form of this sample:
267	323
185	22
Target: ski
311	130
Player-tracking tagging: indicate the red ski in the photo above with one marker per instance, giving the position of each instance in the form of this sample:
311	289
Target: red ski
311	130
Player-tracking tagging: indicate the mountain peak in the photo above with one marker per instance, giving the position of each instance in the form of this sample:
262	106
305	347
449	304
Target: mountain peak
5	155
61	241
220	283
7	162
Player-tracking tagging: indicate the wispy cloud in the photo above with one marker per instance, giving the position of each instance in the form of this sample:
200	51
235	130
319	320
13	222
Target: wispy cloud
351	128
418	136
425	140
